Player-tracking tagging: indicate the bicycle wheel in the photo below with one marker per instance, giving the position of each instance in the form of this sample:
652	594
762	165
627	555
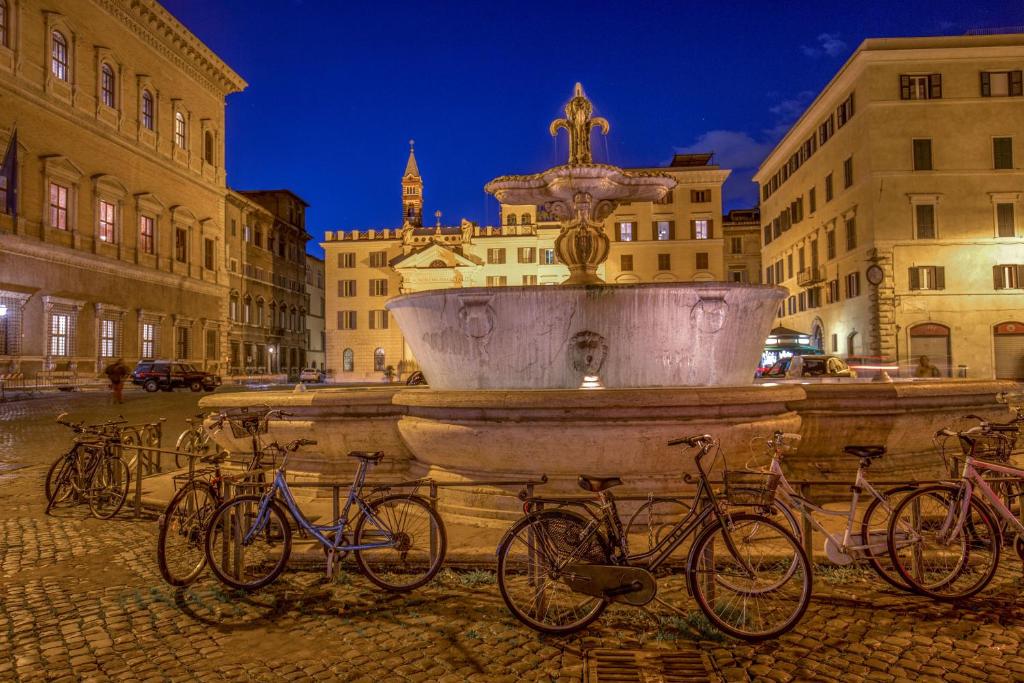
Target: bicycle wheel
244	549
874	532
181	542
765	594
935	557
184	444
64	486
51	478
108	489
418	547
533	558
788	521
652	521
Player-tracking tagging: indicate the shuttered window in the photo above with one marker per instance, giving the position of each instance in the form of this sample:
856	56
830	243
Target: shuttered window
922	155
1002	153
702	229
924	218
626	262
702	260
1004	221
921	87
1002	83
927	277
1008	276
664	230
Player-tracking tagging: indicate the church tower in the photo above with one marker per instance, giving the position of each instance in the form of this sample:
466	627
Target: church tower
412	192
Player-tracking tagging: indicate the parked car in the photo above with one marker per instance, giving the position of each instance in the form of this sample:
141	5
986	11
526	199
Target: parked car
311	375
810	366
167	375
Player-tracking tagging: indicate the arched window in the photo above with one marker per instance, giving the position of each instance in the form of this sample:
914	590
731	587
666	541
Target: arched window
295	319
59	56
510	219
208	147
247	311
259	312
438	263
378	360
525	219
233	307
347	360
179	129
147	110
107	85
3	23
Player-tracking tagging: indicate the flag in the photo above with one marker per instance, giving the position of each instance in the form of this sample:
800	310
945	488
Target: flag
9	172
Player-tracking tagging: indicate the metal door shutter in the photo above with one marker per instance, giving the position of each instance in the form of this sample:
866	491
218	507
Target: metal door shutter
937	350
1009	356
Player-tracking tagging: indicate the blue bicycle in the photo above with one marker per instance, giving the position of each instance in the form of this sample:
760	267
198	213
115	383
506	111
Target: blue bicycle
398	540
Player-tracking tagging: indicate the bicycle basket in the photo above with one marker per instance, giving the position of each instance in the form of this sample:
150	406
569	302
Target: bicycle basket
750	488
182	479
996	446
242	427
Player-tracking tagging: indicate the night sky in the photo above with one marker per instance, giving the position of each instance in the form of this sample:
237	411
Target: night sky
337	87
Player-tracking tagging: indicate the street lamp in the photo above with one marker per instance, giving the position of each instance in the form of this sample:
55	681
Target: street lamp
270	350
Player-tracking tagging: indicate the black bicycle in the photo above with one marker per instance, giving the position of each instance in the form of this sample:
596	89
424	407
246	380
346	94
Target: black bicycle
559	569
92	470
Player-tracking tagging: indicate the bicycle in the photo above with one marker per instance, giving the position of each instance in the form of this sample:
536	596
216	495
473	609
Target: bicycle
92	470
108	428
181	554
559	569
952	551
398	540
196	439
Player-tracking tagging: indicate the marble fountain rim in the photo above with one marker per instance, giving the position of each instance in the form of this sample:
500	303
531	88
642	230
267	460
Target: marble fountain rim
713	286
591	170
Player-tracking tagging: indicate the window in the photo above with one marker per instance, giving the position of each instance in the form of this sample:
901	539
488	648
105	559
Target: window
828	188
832	292
179	129
924	219
497	280
737	275
58	206
1008	276
852	285
346	287
247	310
767	234
801	260
525	219
1005	221
180	245
378	360
107	338
208	254
1001	84
496	256
149	339
700	196
835	343
233	307
147	243
625	262
769	275
59	55
830	244
667	199
664	261
378	320
812	199
791	305
527	255
789	265
700	229
802	301
208	147
147	111
247	233
736	245
259	312
211	344
549	257
848	172
529	279
378	287
378	259
926	277
60	334
257	238
922	155
845	111
347	260
921	87
663	230
106	226
1002	153
625	232
702	260
851	233
107	85
510	219
347	360
826	129
346	320
181	342
779	275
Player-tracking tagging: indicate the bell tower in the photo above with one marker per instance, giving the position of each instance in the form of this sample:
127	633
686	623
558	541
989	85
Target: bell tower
412	192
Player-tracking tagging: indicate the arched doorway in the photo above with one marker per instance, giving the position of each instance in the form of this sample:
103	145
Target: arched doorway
932	340
1008	343
818	335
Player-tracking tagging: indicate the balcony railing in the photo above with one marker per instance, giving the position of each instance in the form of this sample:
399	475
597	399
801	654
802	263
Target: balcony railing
810	276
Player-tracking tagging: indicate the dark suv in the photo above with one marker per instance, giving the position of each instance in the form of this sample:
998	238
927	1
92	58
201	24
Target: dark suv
164	374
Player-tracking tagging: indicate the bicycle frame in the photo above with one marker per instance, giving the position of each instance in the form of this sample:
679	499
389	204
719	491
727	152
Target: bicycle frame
970	481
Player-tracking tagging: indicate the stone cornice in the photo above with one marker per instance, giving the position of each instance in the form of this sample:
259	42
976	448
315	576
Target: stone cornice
53	254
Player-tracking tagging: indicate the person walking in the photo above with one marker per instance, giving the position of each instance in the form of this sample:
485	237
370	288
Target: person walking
116	372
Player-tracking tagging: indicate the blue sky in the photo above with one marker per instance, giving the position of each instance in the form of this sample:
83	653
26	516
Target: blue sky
337	88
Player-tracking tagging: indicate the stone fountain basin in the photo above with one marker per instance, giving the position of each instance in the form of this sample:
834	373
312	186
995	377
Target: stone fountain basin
600	181
629	336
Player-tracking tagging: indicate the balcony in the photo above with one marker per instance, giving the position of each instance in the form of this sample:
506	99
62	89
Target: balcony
810	276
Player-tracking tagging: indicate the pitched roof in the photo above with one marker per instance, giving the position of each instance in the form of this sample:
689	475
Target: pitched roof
411	169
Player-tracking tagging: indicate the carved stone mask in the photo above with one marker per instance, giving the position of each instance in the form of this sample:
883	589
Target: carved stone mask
587	352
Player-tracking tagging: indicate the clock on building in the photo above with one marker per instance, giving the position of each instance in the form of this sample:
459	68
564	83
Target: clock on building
875	275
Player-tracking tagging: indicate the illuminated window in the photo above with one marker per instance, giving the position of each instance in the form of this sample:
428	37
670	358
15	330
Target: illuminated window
378	360
60	334
106	226
180	245
625	232
147	243
701	229
108	338
59	56
107	85
348	360
147	110
58	206
663	230
149	339
179	129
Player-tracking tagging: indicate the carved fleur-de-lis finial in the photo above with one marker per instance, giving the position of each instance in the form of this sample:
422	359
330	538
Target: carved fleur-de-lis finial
577	123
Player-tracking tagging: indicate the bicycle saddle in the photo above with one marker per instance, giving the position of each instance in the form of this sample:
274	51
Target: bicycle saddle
375	456
864	451
597	484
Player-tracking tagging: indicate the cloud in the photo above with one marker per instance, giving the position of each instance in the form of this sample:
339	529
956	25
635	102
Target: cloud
828	44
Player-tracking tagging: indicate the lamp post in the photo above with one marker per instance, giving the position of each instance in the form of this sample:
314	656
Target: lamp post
270	350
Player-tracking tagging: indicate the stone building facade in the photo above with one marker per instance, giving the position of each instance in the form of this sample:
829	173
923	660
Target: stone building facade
741	231
677	239
316	337
891	209
117	247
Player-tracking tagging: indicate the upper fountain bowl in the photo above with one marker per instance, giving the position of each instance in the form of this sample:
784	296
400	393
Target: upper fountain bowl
561	184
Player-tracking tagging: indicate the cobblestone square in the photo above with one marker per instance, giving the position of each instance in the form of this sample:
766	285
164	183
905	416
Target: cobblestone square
81	599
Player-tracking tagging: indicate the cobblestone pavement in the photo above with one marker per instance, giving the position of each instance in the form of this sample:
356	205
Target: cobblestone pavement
81	599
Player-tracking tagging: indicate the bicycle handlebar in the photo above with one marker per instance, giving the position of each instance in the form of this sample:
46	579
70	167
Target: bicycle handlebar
698	440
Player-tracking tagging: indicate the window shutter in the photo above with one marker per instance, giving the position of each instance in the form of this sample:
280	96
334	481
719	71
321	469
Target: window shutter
1020	276
915	279
711	229
618	232
986	84
1016	83
693	230
997	280
671	230
935	86
940	277
654	230
904	87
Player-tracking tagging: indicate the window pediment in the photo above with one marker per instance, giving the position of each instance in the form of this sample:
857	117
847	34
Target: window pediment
147	202
109	186
60	167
